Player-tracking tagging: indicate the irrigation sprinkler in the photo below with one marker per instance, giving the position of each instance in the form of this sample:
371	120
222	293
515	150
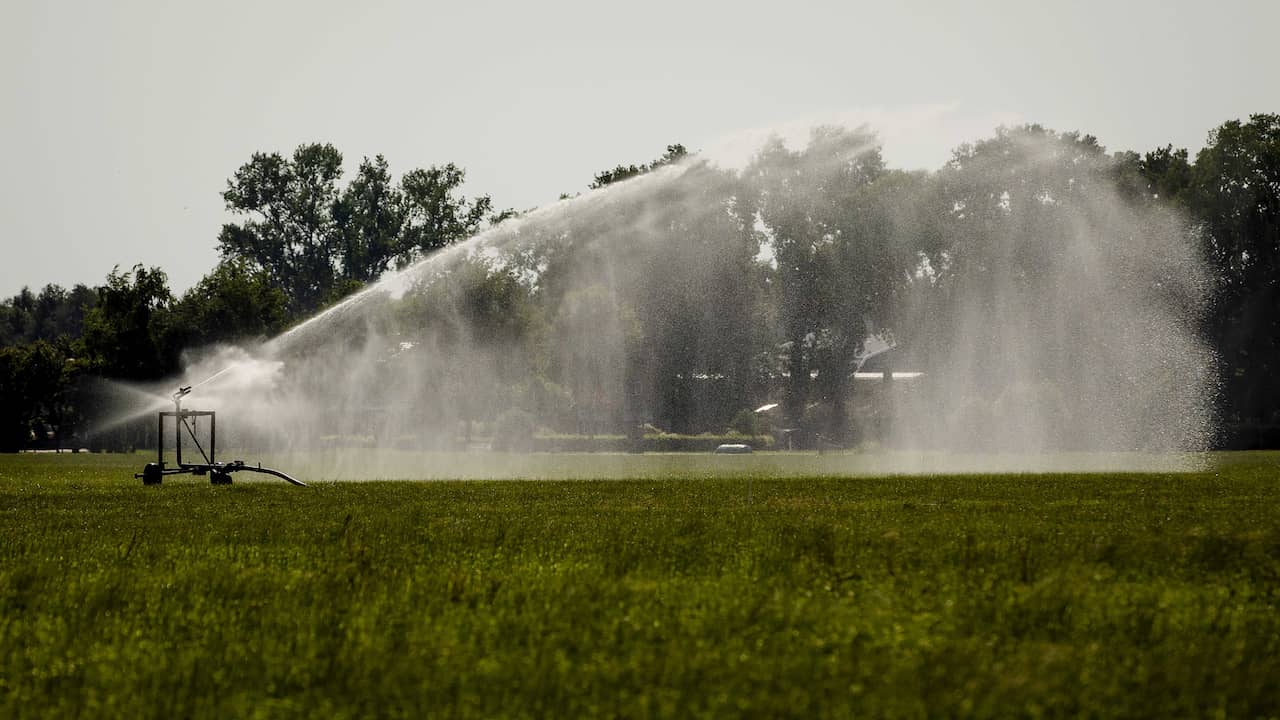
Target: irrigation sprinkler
219	473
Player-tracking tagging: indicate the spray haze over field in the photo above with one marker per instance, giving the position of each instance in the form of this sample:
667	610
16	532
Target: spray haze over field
1041	311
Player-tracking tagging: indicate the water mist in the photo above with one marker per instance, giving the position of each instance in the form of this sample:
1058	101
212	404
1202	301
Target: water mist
1042	317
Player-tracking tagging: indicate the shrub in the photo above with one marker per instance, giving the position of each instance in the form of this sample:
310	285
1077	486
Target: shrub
513	430
652	442
581	443
745	422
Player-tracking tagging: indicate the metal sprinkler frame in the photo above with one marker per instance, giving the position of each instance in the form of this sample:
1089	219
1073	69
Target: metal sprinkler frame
219	473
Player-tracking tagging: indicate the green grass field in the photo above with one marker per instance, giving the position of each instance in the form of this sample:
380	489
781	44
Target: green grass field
705	594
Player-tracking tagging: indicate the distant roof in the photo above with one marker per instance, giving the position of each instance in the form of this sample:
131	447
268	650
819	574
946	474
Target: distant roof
888	359
880	375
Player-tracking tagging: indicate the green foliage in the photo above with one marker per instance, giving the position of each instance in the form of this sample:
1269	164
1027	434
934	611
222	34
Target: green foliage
370	217
1232	194
513	430
436	216
764	287
39	341
543	399
746	422
963	596
51	314
570	443
674	154
234	302
834	272
316	241
706	442
35	392
289	231
127	334
1167	172
657	442
590	330
1236	196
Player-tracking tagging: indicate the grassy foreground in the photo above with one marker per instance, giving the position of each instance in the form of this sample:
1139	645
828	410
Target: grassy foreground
987	596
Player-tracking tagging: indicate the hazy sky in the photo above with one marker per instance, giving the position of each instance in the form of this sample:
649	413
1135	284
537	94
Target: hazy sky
122	120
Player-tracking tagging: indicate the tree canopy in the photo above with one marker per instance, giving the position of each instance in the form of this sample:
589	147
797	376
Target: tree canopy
317	241
765	285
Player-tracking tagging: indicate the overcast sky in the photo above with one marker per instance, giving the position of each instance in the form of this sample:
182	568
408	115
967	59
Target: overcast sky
122	120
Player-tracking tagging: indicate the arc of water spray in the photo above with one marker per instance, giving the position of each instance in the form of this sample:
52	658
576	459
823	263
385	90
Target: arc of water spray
153	402
214	376
394	282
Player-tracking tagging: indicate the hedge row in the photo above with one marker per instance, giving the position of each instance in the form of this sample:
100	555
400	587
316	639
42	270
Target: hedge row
1248	436
665	442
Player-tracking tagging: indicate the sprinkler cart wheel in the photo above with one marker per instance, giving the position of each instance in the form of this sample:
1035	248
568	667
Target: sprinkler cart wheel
218	477
152	474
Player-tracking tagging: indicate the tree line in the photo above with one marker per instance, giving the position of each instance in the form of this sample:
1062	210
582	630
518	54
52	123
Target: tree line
301	239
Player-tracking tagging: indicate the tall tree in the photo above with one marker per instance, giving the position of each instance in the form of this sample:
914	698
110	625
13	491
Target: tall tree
318	241
235	301
51	314
371	216
34	384
289	230
813	205
435	214
1236	197
127	334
